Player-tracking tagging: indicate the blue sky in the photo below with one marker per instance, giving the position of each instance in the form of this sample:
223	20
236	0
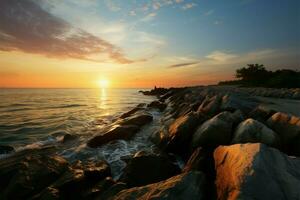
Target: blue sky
186	42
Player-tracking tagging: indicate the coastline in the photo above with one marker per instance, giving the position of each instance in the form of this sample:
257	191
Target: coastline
214	130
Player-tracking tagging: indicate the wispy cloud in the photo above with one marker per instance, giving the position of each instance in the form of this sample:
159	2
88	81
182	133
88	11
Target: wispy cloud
26	27
188	6
149	17
209	12
113	6
183	64
220	56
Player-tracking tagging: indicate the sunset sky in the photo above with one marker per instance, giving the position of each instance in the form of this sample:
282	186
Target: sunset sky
142	43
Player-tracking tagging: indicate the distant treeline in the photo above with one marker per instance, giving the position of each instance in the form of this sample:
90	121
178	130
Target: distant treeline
255	75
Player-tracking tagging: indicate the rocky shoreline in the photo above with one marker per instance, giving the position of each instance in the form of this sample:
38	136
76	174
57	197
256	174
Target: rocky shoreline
231	144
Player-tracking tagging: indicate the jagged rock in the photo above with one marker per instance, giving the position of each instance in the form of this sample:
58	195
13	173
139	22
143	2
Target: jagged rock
254	131
261	113
116	133
189	186
95	171
287	126
68	137
158	105
235	102
131	112
5	149
210	105
145	168
23	176
200	160
214	132
181	131
138	119
256	171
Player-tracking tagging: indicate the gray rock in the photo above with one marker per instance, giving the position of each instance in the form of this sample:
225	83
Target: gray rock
116	133
157	105
288	128
235	102
256	171
145	168
215	131
254	131
5	149
180	132
139	119
185	186
210	105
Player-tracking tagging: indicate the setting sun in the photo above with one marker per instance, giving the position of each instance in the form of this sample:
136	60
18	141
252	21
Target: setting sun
103	83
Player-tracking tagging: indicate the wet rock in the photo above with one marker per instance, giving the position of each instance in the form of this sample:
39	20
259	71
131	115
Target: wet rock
72	180
97	190
112	191
116	133
254	131
95	171
25	177
49	193
5	149
146	168
138	119
156	91
131	112
180	132
214	132
256	171
184	186
68	138
157	105
210	105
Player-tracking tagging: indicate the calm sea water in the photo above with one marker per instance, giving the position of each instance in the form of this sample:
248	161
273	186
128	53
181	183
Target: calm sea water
31	118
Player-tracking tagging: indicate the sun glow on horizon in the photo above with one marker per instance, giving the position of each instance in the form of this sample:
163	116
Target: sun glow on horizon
103	83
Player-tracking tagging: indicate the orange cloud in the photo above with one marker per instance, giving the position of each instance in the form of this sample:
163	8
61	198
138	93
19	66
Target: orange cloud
25	26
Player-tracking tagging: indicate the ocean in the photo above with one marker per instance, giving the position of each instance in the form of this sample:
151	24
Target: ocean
33	118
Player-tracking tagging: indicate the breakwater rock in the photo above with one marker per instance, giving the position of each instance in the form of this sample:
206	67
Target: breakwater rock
212	142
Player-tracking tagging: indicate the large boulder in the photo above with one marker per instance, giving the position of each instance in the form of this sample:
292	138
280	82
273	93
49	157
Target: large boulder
145	168
131	112
6	149
215	131
261	113
116	133
190	186
23	176
180	132
157	105
287	126
254	131
139	119
210	105
256	171
237	102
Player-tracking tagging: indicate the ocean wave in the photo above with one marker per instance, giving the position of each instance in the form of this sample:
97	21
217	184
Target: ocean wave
64	106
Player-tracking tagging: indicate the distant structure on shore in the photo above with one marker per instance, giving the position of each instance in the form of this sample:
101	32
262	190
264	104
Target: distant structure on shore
256	75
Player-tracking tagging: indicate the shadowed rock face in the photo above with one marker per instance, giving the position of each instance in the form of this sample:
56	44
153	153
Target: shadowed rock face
256	171
116	133
184	186
23	176
181	131
215	131
145	168
253	131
